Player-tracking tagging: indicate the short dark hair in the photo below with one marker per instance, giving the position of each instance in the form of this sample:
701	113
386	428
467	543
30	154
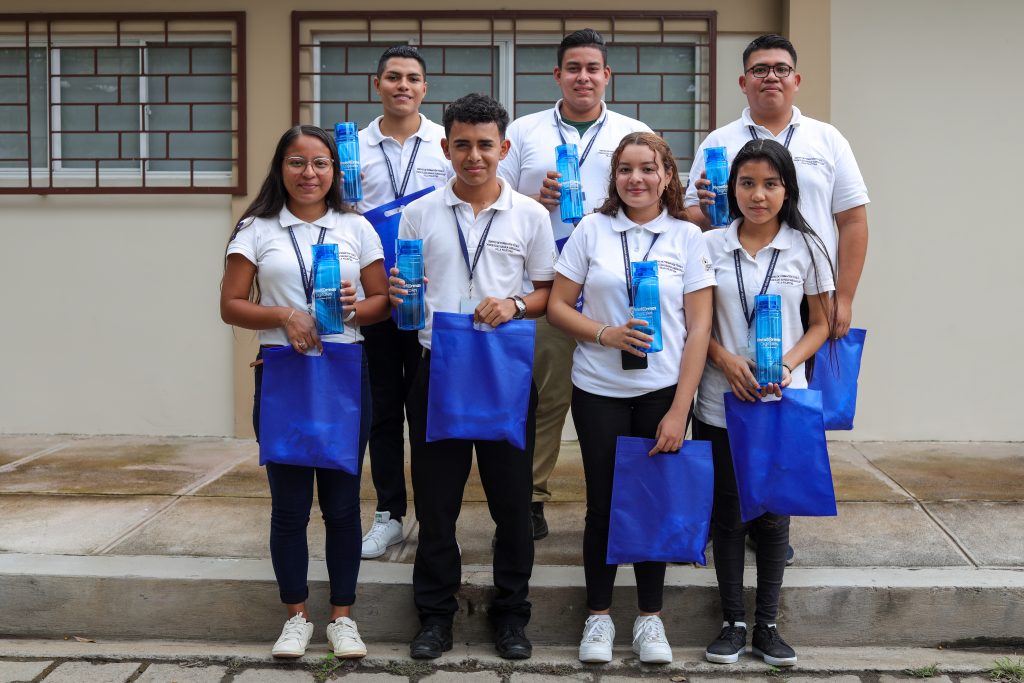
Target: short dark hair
475	108
585	37
769	41
400	52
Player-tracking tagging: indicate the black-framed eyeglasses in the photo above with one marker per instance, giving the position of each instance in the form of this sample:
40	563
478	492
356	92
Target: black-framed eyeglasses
762	70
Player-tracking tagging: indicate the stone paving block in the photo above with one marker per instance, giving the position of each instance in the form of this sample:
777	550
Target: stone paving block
889	678
216	527
68	525
357	677
551	678
87	672
468	677
174	673
245	480
124	465
270	675
952	471
17	447
991	532
15	672
856	479
862	536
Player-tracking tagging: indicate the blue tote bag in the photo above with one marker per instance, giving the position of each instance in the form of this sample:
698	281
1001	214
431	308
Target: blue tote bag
309	407
836	378
661	504
780	456
385	220
479	381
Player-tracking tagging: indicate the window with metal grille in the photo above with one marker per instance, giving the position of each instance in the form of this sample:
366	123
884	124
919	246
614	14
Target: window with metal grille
662	64
126	103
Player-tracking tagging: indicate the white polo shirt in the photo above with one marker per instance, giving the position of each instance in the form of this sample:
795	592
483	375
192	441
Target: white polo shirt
266	243
431	168
593	258
519	245
830	180
534	138
792	279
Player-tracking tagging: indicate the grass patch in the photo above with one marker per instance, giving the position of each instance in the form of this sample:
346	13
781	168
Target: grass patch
777	673
324	667
409	669
923	671
1006	670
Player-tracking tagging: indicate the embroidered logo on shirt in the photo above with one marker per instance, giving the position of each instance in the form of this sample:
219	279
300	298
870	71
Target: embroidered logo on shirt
707	264
503	247
430	172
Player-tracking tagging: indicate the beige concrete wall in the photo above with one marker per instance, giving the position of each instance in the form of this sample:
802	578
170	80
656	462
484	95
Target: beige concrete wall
111	322
927	94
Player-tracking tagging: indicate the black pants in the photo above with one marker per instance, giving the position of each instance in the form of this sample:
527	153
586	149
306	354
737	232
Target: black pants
599	421
393	356
439	473
728	534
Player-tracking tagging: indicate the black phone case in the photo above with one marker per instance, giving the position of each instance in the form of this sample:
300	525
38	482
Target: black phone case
631	362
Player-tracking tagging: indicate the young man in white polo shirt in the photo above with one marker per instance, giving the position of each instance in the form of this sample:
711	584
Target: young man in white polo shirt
507	240
581	118
833	196
400	154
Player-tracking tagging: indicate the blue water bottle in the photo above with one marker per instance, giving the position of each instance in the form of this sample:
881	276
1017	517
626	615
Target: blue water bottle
346	136
411	314
647	300
768	338
716	168
567	163
326	290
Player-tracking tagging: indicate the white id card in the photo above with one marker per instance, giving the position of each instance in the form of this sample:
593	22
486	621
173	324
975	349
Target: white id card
468	305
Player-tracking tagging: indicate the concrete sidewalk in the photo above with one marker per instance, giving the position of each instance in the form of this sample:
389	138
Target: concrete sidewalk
928	546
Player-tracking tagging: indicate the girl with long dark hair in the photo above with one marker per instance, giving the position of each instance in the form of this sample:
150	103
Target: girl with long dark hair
768	249
267	287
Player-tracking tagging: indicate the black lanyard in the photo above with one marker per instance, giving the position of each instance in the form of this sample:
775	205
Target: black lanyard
586	151
479	246
747	314
400	191
307	279
625	261
789	135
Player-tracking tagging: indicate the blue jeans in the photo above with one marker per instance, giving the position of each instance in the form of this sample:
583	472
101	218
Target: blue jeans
291	495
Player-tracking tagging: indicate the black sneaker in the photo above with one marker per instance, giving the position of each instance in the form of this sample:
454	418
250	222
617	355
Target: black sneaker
768	644
540	525
431	641
752	544
726	648
512	643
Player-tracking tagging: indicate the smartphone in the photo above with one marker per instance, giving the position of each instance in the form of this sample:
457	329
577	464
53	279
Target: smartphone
631	362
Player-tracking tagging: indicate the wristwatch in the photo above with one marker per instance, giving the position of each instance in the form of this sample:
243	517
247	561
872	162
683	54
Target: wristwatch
520	307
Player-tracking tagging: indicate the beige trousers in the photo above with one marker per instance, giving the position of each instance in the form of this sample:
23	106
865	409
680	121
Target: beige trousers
552	373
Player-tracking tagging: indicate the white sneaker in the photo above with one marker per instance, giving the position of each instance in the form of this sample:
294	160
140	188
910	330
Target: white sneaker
343	636
649	641
384	532
294	637
598	634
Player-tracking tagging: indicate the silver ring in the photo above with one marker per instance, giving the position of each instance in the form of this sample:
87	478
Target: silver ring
302	344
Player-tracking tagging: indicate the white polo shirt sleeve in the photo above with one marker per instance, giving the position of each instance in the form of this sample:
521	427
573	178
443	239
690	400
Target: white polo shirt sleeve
371	248
849	190
700	272
245	241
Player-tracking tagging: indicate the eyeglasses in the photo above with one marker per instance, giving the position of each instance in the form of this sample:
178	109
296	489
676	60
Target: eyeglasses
762	70
320	164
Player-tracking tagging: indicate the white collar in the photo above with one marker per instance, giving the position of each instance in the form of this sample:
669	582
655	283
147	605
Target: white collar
561	122
502	203
288	219
621	223
374	136
794	120
783	240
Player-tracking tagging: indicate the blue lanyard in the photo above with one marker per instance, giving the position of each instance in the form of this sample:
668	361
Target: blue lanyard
400	192
586	152
625	261
479	246
307	279
789	135
748	315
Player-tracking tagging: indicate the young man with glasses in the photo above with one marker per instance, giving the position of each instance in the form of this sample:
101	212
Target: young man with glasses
833	196
580	117
401	156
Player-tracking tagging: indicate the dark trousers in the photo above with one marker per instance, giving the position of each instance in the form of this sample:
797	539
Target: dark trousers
393	356
600	420
291	495
439	473
728	534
